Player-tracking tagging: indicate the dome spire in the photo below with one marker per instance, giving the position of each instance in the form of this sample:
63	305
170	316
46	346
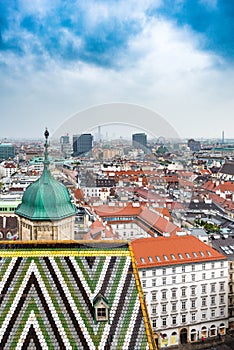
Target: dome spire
46	145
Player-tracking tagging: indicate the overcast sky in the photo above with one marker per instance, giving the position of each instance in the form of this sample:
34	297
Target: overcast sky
175	57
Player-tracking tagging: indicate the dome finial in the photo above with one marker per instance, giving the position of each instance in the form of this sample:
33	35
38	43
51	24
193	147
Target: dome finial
46	160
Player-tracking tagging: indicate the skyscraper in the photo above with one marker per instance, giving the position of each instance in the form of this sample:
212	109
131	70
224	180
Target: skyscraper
139	140
82	144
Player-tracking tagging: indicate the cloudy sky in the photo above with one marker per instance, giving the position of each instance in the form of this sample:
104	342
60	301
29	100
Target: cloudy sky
175	57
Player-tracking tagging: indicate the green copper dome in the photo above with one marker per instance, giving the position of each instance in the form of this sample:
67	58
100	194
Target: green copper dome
46	198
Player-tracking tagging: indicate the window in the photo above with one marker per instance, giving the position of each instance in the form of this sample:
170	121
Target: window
183	292
193	303
101	308
164	294
154	296
150	258
164	307
201	253
212	274
164	321
173	279
212	300
165	257
204	288
203	316
221	300
173	320
212	312
154	310
193	277
187	255
158	258
203	301
183	305
183	318
209	252
193	267
203	266
183	268
183	278
212	288
212	265
173	306
180	256
173	257
164	281
174	270
154	323
195	254
153	272
142	260
143	273
221	264
221	311
193	316
173	293
221	286
101	312
154	282
164	271
203	276
144	283
221	273
193	290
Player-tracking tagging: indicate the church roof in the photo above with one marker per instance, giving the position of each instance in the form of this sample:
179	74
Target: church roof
46	199
48	292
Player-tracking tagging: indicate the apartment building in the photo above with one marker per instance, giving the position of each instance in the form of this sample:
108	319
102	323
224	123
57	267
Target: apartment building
185	283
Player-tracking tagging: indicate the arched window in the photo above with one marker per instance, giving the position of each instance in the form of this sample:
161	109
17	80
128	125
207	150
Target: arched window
212	330
222	329
204	332
193	335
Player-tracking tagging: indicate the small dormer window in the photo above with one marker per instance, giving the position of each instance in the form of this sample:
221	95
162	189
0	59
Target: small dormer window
101	308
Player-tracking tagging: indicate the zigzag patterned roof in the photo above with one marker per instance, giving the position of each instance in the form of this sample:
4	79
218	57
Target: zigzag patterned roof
46	298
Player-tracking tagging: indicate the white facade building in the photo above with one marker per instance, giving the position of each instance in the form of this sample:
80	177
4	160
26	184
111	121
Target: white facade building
186	288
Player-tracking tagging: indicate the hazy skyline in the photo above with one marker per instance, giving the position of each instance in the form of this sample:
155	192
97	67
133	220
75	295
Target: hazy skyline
58	58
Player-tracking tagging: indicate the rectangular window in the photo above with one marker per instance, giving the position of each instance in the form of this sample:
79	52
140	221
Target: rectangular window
193	267
204	316
212	265
193	277
193	316
183	305
154	282
101	312
164	307
221	273
221	300
174	270
204	288
212	274
193	290
203	301
144	283
183	292
164	281
203	276
173	293
164	271
154	296
212	312
173	279
173	320
183	318
164	294
183	278
183	268
143	273
153	272
173	306
164	321
153	310
212	288
213	300
193	303
203	266
221	264
221	311
154	323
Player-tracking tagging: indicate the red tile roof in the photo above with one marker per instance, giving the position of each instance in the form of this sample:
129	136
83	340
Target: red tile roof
162	251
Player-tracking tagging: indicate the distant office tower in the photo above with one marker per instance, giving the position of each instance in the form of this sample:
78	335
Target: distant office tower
6	151
194	146
65	145
82	144
139	140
